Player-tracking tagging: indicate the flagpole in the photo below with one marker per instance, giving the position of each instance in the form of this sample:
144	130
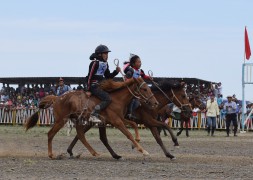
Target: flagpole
244	46
243	87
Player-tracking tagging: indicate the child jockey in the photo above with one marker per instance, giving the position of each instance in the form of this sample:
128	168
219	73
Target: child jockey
98	71
132	69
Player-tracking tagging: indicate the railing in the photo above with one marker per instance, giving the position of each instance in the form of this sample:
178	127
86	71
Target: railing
46	118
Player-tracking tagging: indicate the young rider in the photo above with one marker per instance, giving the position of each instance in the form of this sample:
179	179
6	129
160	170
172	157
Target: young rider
132	69
98	71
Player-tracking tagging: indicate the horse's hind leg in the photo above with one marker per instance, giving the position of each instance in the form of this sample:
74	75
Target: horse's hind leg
118	123
80	134
103	138
51	133
135	127
74	141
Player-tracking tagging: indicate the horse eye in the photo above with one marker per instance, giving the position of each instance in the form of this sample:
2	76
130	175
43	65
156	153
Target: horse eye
144	89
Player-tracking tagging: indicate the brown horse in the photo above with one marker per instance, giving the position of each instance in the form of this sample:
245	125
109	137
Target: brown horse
77	106
174	92
165	113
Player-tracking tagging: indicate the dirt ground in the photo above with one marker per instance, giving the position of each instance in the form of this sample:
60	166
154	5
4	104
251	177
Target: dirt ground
24	156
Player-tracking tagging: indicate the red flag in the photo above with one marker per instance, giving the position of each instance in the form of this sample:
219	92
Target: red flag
247	46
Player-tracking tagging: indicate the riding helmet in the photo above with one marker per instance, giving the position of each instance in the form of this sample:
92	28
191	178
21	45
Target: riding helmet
102	49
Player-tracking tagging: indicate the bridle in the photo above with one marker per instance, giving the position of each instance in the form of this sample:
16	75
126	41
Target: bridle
181	104
138	88
137	92
196	103
150	73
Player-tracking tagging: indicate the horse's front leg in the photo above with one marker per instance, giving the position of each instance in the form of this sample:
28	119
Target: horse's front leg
158	139
181	128
154	123
187	127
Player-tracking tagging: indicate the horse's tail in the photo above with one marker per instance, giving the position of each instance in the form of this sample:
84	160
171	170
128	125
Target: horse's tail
45	103
32	120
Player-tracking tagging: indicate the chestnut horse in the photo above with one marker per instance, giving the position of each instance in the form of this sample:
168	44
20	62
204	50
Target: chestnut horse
77	106
173	91
165	113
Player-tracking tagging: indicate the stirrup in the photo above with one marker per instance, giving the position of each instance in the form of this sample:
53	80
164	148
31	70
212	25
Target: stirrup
94	119
130	116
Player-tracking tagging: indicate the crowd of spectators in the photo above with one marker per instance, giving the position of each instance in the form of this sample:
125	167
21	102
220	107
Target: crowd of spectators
26	96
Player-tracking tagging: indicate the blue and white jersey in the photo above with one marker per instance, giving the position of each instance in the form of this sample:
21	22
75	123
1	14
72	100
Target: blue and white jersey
137	73
101	68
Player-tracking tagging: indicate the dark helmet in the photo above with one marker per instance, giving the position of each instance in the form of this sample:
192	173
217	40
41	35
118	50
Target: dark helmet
102	49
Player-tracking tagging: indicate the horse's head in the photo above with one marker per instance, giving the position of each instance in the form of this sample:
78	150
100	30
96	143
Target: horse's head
144	92
197	102
175	92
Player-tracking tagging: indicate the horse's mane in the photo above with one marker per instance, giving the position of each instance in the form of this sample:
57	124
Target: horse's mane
166	85
110	85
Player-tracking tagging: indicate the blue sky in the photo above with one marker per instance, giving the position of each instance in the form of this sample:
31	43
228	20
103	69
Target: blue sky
200	39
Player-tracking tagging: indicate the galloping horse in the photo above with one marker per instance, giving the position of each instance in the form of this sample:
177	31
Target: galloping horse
77	106
165	113
174	92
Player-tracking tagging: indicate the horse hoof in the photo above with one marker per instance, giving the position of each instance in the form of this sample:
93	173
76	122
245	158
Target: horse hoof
145	153
177	147
173	159
96	154
133	146
70	152
51	157
60	157
71	157
78	156
117	157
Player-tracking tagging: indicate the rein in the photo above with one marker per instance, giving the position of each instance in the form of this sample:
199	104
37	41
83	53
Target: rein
174	96
181	105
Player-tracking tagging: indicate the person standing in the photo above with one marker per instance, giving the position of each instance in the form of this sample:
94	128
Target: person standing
212	112
62	88
230	108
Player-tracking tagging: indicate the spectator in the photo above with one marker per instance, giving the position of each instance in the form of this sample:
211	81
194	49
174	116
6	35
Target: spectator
230	108
212	112
41	93
219	88
53	89
219	99
195	112
222	111
62	88
216	91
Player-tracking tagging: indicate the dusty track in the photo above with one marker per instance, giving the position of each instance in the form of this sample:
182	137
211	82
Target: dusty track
24	156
